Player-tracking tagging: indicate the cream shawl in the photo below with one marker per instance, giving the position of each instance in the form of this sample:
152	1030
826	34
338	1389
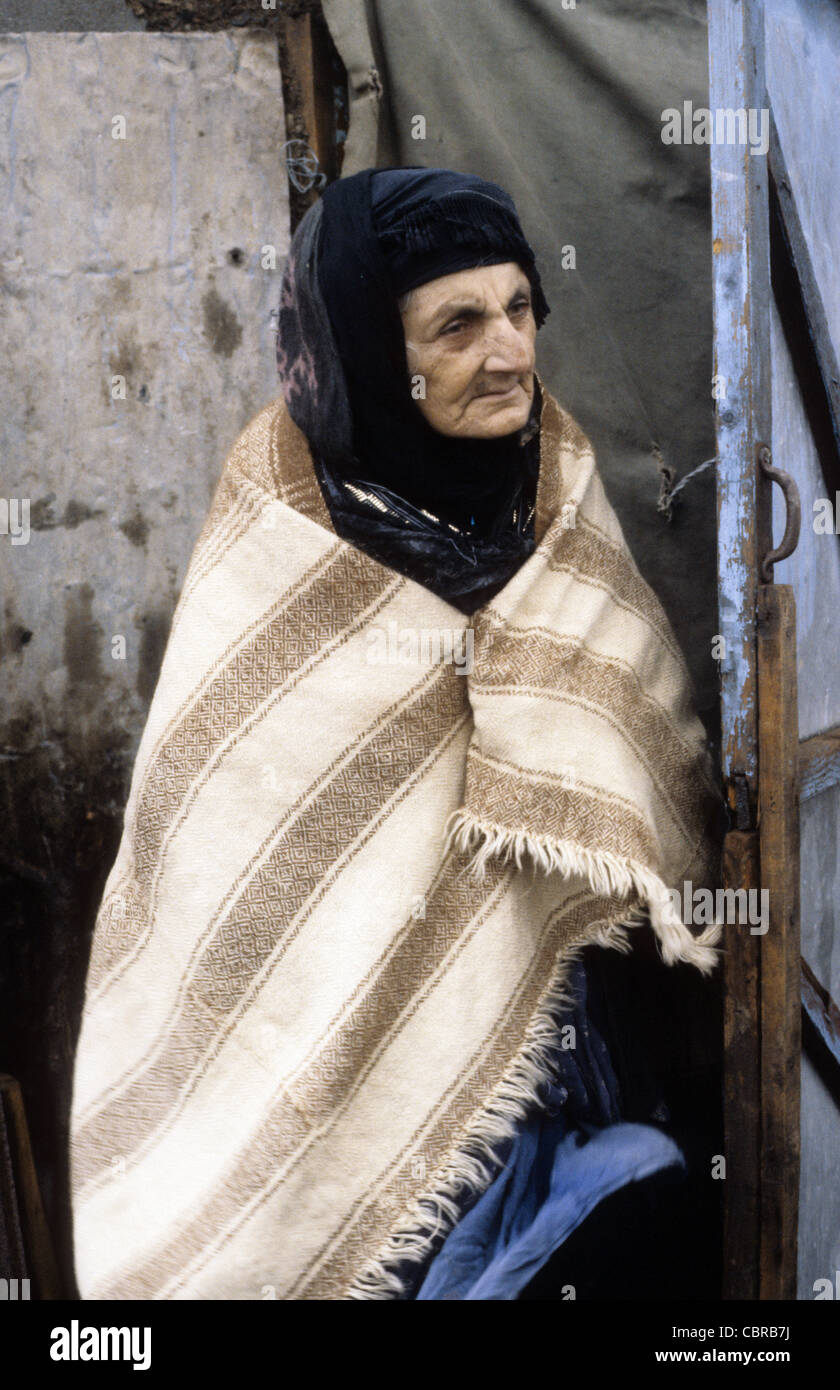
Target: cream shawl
366	836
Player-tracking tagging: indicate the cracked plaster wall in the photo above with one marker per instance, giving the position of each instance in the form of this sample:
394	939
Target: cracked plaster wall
132	265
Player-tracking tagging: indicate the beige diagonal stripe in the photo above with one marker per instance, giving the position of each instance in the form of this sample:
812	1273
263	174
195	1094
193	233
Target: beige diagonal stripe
310	1020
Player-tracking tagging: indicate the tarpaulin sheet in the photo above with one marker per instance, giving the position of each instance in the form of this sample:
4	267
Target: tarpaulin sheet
564	108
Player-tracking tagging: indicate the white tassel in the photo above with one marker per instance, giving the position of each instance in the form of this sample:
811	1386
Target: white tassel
475	1163
606	874
472	1167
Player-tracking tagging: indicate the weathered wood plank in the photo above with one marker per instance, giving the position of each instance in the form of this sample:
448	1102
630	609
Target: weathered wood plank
741	1078
762	1008
800	257
741	291
819	763
41	1265
803	63
804	317
779	983
822	1011
312	73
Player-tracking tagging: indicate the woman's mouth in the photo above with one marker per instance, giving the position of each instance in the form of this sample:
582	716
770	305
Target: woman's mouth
499	395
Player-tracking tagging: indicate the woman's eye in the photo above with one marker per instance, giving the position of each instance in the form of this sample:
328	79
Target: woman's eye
519	306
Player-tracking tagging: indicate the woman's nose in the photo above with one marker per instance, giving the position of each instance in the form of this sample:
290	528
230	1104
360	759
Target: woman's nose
506	348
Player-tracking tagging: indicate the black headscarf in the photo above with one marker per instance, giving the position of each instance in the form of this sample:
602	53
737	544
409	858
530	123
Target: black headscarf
454	513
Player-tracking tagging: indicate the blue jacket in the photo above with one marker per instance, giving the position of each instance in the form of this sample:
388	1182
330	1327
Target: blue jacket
572	1151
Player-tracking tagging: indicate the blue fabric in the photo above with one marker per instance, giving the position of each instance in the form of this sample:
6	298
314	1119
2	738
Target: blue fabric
512	1231
573	1150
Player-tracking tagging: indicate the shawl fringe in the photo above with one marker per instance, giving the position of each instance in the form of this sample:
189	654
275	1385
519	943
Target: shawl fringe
475	1162
430	1217
607	874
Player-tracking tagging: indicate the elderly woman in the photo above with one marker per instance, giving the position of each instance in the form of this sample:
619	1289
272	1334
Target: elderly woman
422	735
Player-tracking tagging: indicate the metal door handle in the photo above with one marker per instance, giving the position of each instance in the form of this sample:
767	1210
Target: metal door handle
793	514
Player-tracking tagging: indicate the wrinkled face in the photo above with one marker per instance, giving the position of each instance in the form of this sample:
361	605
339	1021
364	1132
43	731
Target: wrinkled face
471	337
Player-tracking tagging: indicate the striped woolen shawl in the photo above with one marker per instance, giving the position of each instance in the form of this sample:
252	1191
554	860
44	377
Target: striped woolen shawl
333	948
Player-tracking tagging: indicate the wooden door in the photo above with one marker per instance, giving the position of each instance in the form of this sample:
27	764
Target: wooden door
757	651
776	214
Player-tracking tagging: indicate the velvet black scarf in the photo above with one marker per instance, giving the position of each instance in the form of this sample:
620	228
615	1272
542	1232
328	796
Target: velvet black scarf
454	514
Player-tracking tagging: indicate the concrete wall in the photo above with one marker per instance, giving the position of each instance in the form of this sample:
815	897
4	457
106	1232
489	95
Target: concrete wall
137	303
